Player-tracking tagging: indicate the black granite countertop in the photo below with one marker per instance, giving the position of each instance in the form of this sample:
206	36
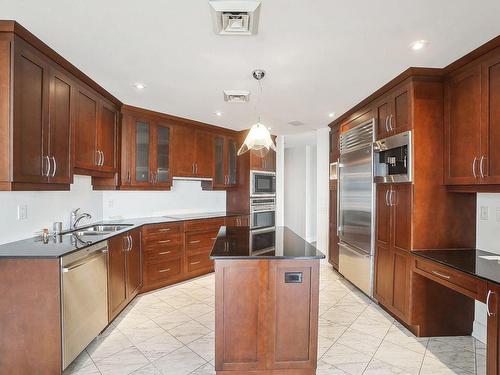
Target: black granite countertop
275	243
60	245
475	262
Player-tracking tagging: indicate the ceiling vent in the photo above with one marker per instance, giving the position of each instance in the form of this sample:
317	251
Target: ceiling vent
296	123
236	96
235	17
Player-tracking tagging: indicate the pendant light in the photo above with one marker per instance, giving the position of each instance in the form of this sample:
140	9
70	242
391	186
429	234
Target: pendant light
258	138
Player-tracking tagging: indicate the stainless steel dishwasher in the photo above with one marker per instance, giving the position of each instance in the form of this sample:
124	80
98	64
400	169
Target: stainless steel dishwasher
84	305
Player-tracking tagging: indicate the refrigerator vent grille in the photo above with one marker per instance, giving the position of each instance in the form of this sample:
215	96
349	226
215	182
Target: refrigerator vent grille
357	137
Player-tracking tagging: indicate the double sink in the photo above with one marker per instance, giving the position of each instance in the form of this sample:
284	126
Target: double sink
98	230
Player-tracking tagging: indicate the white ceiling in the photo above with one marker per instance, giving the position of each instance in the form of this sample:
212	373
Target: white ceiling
321	56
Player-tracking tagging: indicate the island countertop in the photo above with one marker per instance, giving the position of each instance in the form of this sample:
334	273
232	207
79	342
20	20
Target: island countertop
242	243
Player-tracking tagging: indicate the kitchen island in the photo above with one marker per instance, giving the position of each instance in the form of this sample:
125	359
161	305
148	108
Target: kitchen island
266	303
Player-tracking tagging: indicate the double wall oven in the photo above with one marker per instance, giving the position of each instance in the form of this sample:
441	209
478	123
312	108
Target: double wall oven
262	211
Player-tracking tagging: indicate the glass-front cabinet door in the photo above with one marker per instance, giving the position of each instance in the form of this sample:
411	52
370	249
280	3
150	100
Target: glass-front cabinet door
161	175
219	168
141	170
231	161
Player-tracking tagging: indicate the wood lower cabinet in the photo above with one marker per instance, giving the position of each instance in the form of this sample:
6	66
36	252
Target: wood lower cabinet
393	244
333	238
493	341
265	325
124	270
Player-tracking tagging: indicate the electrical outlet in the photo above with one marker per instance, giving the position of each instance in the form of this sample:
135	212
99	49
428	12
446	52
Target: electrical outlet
484	212
111	203
22	212
498	214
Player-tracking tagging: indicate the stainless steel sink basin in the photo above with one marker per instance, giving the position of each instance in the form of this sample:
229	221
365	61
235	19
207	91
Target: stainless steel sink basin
97	230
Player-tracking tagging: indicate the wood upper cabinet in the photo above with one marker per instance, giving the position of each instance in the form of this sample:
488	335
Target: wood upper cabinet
489	164
334	144
43	100
462	119
393	111
124	270
96	131
265	163
493	337
224	174
147	165
193	152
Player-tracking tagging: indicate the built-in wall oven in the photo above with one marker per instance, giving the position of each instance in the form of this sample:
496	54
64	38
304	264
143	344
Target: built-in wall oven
263	241
262	212
262	183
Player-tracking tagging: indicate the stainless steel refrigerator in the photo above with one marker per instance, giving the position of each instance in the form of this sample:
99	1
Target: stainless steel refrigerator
357	206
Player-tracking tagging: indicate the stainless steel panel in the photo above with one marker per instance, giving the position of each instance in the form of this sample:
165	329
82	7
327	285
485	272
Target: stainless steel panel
356	198
85	299
357	137
357	267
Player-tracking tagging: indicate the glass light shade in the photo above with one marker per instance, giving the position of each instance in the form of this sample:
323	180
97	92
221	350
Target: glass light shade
258	139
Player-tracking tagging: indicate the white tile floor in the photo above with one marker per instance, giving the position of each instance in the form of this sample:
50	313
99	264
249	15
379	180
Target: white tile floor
171	331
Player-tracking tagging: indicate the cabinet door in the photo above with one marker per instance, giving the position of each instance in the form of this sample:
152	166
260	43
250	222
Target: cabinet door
493	337
334	144
293	315
86	131
61	106
333	248
141	173
382	113
401	282
219	177
204	154
401	201
490	122
400	117
383	218
117	289
241	296
161	155
183	151
31	92
462	121
383	275
231	150
134	264
106	137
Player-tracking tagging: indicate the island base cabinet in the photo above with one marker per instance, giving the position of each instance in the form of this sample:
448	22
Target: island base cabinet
493	343
266	316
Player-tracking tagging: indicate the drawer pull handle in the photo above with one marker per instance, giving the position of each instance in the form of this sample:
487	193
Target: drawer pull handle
165	270
164	252
193	263
164	241
213	238
165	230
195	241
441	275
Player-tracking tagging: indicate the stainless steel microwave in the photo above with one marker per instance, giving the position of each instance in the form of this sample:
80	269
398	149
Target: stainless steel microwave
393	158
262	184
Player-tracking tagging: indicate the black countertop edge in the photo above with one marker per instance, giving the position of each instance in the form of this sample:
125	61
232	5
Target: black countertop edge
14	250
263	257
491	273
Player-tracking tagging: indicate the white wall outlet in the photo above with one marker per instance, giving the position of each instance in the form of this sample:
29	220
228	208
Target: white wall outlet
498	214
484	212
111	203
22	212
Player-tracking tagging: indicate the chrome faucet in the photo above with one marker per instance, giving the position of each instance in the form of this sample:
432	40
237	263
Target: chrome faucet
75	218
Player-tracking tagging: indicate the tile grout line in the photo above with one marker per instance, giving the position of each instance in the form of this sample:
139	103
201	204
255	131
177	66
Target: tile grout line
378	347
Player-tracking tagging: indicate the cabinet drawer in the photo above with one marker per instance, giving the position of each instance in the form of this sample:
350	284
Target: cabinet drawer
161	230
164	270
196	225
155	254
459	281
199	261
199	241
162	241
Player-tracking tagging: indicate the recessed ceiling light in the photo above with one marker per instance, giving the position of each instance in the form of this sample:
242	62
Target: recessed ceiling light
139	86
218	113
418	44
331	114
